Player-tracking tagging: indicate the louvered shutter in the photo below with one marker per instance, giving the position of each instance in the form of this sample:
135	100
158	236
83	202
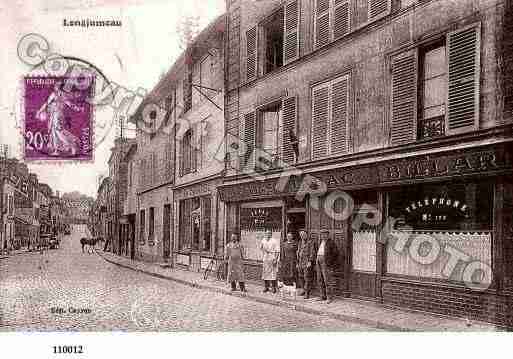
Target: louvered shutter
378	8
194	148
289	106
249	137
403	126
341	18
154	178
320	113
251	53
339	116
322	22
169	163
291	34
464	68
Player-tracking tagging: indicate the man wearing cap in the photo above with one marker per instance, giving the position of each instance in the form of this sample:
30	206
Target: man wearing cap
327	259
306	255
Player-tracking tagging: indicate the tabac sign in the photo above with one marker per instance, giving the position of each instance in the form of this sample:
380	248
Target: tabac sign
490	160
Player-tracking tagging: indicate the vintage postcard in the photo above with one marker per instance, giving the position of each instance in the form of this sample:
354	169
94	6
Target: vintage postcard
255	166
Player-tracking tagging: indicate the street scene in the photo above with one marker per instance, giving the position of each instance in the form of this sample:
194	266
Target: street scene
94	295
269	166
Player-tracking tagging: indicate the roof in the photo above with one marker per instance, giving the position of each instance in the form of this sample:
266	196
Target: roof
174	73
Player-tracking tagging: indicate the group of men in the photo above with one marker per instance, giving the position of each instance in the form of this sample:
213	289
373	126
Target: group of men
297	262
320	257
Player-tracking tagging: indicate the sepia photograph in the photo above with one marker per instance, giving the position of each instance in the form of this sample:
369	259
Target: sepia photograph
255	168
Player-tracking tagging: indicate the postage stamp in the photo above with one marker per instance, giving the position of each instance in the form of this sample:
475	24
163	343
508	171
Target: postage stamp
58	118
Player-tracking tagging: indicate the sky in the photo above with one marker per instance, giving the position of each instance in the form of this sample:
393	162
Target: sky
134	55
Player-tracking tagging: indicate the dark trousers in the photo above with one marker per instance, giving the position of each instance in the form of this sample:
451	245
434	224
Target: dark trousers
268	283
241	286
323	277
305	278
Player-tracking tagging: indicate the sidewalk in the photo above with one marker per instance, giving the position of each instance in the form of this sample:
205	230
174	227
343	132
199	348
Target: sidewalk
346	309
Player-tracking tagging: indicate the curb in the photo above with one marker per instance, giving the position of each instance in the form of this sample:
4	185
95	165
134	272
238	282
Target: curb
298	307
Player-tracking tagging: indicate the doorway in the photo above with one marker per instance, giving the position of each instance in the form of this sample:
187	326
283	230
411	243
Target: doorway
362	231
166	221
296	220
131	234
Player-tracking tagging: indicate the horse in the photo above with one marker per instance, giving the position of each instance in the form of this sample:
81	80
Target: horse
91	242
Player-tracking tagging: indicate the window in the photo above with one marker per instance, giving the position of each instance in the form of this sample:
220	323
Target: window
130	172
435	88
153	123
432	91
272	36
271	130
207	72
456	214
332	21
187	88
195	224
274	42
188	152
269	133
170	107
207	230
151	227
154	164
255	219
330	118
142	230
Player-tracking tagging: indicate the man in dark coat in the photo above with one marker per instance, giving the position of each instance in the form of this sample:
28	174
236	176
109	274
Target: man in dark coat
327	260
306	255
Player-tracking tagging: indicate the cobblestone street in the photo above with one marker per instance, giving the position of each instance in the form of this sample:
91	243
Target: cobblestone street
94	295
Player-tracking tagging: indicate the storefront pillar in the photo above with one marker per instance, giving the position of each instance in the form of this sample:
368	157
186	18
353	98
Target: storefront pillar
380	244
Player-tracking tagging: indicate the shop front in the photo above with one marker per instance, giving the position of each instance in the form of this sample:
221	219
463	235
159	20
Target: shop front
154	226
253	208
427	232
199	225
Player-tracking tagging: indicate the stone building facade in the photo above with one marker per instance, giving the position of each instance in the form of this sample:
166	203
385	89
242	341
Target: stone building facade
383	122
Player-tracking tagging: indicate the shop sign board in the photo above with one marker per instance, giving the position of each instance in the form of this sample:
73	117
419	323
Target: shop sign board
490	160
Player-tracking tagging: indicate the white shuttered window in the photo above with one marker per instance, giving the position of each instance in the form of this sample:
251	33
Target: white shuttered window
332	20
330	117
435	88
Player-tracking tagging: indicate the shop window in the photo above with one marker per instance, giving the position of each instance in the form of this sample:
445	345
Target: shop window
194	224
255	219
455	215
364	242
207	231
435	88
269	133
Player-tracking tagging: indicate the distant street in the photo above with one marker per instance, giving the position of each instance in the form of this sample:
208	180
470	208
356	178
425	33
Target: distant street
86	293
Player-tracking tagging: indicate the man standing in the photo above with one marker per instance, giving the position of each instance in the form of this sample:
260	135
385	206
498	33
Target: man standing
306	255
270	259
327	254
